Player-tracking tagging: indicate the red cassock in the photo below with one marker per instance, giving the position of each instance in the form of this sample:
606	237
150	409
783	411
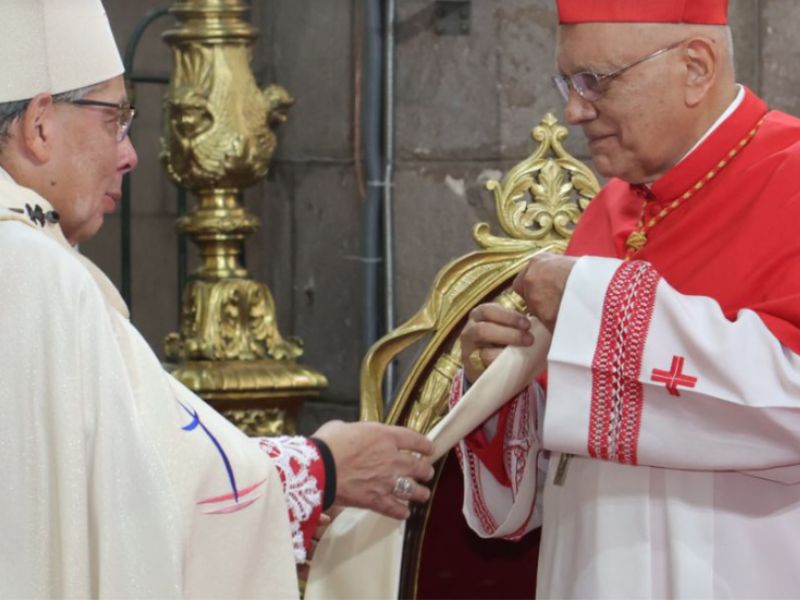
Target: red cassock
735	239
731	242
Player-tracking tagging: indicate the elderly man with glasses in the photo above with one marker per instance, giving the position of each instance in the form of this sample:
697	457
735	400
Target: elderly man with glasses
117	481
666	448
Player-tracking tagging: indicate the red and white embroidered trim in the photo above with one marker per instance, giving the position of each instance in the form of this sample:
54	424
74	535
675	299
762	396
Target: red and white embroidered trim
295	459
617	394
471	466
517	445
517	439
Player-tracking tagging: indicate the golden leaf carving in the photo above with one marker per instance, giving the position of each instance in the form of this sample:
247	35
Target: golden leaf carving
431	403
538	203
219	138
541	199
233	319
261	423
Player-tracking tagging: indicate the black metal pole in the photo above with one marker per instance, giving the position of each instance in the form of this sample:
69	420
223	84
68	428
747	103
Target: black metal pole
125	208
373	163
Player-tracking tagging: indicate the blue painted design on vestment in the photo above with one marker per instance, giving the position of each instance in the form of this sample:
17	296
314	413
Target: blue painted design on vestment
193	425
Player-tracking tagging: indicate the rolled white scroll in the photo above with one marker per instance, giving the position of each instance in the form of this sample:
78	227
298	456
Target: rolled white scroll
360	554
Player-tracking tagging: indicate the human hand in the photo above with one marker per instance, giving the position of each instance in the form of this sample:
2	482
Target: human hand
542	284
489	329
378	466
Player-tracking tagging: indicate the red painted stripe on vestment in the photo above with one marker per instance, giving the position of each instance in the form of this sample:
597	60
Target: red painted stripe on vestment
617	394
226	510
242	493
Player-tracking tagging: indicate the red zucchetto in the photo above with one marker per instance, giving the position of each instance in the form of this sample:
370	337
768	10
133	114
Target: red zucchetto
700	12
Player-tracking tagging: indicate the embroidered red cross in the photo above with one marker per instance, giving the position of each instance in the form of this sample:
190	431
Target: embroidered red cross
674	377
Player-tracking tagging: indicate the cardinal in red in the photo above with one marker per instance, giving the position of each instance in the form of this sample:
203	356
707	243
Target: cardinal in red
664	453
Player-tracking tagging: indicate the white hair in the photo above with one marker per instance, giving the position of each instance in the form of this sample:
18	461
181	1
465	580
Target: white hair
11	111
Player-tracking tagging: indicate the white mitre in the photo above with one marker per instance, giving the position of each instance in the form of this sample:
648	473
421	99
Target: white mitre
54	46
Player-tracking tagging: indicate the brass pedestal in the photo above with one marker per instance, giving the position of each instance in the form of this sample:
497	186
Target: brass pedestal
219	139
262	397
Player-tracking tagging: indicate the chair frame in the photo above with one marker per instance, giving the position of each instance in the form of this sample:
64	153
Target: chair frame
538	203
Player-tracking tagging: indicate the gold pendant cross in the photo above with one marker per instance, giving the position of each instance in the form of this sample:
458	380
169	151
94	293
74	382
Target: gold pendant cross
636	240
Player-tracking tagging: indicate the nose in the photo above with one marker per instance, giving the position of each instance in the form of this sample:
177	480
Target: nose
128	159
578	110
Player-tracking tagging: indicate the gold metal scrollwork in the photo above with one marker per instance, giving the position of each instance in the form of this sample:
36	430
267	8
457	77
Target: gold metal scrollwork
431	403
218	139
430	406
260	423
541	198
538	203
229	320
217	132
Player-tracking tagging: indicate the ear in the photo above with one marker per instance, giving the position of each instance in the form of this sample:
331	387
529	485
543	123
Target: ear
702	65
37	126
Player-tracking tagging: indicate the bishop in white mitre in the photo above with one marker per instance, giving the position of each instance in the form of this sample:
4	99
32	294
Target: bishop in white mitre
117	481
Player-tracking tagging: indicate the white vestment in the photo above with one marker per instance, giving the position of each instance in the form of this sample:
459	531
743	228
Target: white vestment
360	555
686	477
117	481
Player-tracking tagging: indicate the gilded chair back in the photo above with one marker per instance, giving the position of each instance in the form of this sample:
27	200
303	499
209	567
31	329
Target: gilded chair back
538	204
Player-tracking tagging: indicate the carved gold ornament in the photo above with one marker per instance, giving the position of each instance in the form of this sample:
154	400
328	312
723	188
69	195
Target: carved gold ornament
259	423
541	198
538	203
219	138
476	360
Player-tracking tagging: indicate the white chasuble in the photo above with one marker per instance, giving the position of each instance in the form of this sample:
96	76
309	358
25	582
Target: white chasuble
685	430
117	481
359	556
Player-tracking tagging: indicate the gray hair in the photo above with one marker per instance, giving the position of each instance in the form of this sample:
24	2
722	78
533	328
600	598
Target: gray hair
11	111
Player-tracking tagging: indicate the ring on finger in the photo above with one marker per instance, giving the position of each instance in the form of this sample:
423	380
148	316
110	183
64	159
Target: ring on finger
476	360
403	487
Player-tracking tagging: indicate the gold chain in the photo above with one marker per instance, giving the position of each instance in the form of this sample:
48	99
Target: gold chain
638	238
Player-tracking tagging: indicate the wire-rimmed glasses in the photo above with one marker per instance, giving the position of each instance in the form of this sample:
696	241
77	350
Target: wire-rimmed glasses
590	85
125	113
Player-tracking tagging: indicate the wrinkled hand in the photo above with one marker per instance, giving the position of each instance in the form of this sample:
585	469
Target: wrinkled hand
370	457
489	329
542	284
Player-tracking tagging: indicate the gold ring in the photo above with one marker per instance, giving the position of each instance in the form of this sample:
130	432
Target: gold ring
517	302
476	361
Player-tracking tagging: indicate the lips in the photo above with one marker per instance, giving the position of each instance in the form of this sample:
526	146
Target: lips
593	139
111	200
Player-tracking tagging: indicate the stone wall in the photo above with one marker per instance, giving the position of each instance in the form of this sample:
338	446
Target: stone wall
465	107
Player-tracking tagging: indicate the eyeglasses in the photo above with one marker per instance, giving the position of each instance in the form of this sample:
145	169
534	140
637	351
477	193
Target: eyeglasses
125	114
590	86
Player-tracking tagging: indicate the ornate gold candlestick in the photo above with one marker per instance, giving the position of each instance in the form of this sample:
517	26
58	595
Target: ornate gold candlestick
219	139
